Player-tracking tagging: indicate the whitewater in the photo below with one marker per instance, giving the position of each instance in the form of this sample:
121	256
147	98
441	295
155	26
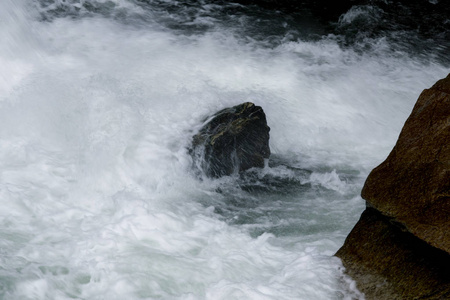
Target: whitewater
99	101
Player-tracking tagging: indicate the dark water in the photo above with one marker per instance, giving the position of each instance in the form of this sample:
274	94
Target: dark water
416	27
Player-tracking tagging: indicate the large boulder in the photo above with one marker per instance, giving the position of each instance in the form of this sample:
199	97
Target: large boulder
233	140
400	248
413	184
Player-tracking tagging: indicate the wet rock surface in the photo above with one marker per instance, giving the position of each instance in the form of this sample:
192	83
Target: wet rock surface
233	140
400	248
413	184
390	263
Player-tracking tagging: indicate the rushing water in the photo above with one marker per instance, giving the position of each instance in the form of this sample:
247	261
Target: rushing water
99	101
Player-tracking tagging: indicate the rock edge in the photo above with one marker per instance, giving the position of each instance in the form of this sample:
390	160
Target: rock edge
400	247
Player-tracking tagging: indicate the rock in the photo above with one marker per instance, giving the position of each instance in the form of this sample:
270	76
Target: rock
233	140
400	248
389	263
413	184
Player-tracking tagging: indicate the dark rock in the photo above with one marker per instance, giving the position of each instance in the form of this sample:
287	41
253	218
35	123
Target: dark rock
400	248
233	140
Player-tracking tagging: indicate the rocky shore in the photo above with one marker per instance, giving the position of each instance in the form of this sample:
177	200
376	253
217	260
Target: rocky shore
400	247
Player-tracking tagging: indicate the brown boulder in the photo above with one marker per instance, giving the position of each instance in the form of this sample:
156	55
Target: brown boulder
389	263
413	184
400	248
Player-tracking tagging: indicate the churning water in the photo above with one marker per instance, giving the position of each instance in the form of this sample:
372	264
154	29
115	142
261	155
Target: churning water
99	101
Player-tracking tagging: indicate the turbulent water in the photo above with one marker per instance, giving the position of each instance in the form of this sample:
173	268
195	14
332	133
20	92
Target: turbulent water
99	101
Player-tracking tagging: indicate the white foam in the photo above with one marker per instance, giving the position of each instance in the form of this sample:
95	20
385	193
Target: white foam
329	180
367	13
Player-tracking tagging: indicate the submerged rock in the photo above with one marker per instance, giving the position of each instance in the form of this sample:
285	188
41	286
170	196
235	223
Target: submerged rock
233	140
405	229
